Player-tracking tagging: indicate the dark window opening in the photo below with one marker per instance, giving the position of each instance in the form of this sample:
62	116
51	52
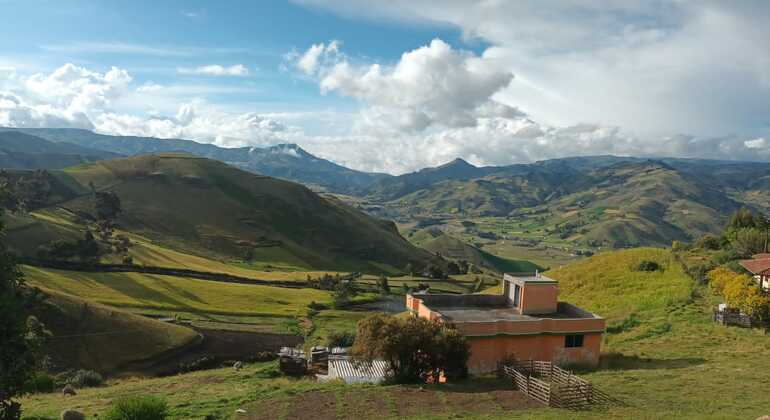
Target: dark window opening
573	340
516	295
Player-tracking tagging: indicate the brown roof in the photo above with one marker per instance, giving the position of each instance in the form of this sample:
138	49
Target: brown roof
761	256
756	266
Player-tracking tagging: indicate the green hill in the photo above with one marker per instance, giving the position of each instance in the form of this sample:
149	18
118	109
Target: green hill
19	150
450	247
91	336
620	204
205	207
287	161
608	284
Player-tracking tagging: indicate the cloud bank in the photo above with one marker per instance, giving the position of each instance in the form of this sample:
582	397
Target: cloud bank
561	79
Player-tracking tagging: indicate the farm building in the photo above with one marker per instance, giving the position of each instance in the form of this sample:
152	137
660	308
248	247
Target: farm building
759	266
525	322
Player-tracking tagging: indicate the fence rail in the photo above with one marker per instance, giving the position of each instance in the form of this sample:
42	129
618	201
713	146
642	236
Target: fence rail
556	387
733	318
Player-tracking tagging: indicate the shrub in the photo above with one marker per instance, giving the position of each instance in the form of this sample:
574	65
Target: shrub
708	242
718	279
647	265
85	378
419	350
725	256
39	382
341	339
137	408
201	363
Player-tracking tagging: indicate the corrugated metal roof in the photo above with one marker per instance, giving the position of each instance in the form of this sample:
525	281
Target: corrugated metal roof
358	371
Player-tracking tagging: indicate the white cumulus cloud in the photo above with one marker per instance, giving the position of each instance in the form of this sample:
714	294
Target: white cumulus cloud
216	70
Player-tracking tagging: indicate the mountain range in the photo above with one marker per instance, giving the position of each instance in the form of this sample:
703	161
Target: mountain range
594	201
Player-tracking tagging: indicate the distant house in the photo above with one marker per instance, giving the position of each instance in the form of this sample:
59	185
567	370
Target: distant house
525	322
759	266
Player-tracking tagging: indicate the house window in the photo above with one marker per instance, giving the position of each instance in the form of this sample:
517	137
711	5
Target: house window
516	295
573	340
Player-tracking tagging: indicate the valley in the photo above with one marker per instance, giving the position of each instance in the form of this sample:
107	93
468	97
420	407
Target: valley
161	270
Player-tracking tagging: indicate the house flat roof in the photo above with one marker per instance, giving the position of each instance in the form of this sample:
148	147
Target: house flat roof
477	314
494	311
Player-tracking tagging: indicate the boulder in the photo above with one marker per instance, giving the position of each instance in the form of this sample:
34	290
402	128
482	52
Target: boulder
68	390
72	415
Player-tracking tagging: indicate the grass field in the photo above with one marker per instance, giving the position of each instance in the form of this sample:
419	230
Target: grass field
104	338
143	292
662	355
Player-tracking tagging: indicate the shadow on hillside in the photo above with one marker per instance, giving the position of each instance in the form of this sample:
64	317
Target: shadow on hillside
618	361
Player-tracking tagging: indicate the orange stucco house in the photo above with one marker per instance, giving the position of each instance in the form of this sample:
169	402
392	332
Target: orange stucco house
525	322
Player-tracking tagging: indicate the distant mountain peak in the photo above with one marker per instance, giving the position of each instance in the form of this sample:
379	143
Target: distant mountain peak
458	164
458	161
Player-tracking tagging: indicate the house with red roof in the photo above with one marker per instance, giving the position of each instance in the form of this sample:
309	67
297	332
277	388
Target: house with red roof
759	266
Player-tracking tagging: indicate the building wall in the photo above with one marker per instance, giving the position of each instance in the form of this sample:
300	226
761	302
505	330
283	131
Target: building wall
539	298
488	352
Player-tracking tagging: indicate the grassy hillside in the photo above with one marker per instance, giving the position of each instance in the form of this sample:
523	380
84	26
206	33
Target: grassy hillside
169	295
92	336
608	284
199	206
612	204
668	360
287	161
19	150
455	249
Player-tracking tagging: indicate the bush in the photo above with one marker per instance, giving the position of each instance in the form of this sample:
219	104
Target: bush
708	242
138	408
85	378
341	339
39	382
419	350
647	265
725	256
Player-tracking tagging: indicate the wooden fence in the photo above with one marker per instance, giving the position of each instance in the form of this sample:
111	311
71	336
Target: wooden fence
729	317
555	387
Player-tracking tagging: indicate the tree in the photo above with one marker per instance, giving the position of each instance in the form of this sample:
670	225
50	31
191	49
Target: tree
453	268
18	343
343	291
107	205
382	284
409	269
763	224
708	242
419	350
743	218
742	292
747	241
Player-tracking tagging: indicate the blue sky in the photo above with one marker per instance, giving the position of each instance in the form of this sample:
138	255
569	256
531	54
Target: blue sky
399	85
152	39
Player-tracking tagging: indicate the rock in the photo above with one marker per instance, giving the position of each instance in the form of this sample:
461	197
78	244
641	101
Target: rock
72	415
238	365
68	390
240	411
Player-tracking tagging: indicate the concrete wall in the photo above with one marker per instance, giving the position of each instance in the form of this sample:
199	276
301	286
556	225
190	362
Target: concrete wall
539	298
487	352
